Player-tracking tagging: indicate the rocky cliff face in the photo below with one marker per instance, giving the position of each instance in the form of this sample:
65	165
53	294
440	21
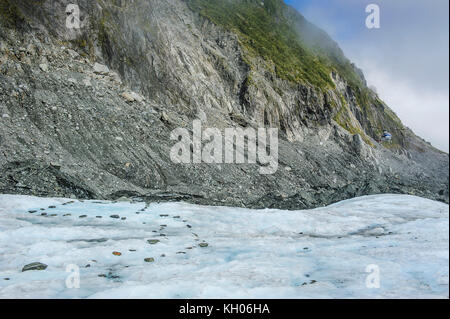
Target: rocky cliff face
72	125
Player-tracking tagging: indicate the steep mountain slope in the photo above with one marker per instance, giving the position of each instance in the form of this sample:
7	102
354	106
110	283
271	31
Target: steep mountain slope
67	129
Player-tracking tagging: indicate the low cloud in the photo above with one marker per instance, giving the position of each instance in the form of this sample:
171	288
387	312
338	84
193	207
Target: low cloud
425	111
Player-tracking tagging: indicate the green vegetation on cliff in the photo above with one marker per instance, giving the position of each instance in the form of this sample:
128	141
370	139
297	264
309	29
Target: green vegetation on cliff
265	32
298	52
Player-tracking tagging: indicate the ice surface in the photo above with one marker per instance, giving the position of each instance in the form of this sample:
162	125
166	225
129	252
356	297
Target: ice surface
321	253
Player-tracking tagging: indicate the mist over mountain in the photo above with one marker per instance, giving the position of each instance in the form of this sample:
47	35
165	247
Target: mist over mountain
406	58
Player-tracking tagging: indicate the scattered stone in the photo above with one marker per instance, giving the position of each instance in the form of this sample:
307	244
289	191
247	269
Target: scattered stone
149	260
203	245
96	240
73	54
55	165
163	215
87	82
116	253
358	143
164	117
132	250
32	211
153	241
115	77
176	217
100	69
65	215
102	275
132	96
5	278
115	216
51	206
111	276
98	217
53	215
188	226
3	47
123	218
83	216
87	266
163	255
34	266
43	67
181	253
44	214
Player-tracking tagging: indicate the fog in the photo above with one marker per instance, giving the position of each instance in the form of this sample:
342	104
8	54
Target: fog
406	59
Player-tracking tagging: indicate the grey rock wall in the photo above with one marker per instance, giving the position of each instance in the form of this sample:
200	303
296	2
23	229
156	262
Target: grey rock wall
68	127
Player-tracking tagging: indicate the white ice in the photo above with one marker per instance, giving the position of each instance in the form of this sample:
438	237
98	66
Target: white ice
320	253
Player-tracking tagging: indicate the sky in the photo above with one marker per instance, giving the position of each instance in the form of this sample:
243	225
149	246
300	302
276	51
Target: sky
406	59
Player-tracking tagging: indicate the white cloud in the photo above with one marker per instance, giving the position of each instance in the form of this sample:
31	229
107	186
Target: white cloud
424	110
